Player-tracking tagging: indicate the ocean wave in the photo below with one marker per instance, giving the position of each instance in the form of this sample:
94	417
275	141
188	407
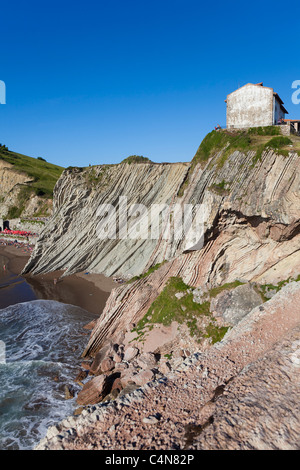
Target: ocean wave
43	341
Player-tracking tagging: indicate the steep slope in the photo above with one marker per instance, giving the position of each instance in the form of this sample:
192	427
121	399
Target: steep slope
26	185
71	240
241	394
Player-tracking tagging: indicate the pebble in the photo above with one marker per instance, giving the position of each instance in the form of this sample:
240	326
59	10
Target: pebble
150	420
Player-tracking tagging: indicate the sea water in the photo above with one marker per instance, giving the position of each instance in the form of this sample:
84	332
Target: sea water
41	343
13	288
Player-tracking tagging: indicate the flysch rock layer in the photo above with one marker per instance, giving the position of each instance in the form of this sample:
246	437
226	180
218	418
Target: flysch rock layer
240	394
258	210
73	241
251	235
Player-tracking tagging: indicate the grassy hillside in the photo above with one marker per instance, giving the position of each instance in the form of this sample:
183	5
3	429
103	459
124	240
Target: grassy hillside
44	174
258	139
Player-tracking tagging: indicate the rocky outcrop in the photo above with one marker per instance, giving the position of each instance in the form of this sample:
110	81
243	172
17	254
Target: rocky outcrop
232	305
239	394
258	203
116	371
12	183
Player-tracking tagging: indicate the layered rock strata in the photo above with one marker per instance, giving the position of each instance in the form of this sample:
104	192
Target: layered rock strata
251	229
72	240
251	234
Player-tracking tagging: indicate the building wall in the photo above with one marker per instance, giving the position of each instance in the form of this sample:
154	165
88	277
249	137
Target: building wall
285	130
250	106
278	112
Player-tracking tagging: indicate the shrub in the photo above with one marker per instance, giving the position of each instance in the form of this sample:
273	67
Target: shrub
267	130
136	159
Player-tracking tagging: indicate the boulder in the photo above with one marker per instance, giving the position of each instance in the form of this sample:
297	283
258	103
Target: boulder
235	304
117	384
90	325
94	391
143	377
130	387
146	360
100	355
69	392
179	295
121	366
82	374
107	364
130	353
117	357
164	367
128	377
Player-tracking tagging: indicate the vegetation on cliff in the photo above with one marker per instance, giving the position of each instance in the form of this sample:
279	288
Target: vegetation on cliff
225	142
136	159
44	175
176	303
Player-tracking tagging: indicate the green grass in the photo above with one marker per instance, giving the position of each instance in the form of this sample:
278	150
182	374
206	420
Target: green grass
268	130
32	221
213	143
230	285
168	308
265	288
150	270
14	212
219	188
43	174
217	140
279	142
276	143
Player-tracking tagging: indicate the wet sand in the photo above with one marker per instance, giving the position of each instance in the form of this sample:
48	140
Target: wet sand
88	291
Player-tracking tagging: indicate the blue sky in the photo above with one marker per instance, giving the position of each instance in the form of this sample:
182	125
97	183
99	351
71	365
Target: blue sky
96	81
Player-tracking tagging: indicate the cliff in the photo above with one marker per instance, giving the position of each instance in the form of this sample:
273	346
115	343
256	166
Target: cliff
214	293
252	235
251	206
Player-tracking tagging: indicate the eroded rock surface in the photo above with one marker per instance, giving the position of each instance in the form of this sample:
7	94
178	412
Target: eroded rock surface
239	394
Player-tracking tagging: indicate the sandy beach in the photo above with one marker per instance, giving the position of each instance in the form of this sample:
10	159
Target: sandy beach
86	290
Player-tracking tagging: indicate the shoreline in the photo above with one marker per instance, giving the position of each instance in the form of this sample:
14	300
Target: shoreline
86	290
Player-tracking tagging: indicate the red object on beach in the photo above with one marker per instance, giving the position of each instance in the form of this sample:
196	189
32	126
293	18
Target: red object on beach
17	232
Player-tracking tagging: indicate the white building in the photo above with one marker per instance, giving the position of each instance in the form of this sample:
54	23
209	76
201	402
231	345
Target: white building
254	105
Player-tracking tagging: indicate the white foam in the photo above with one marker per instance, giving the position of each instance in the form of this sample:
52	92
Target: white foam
44	340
